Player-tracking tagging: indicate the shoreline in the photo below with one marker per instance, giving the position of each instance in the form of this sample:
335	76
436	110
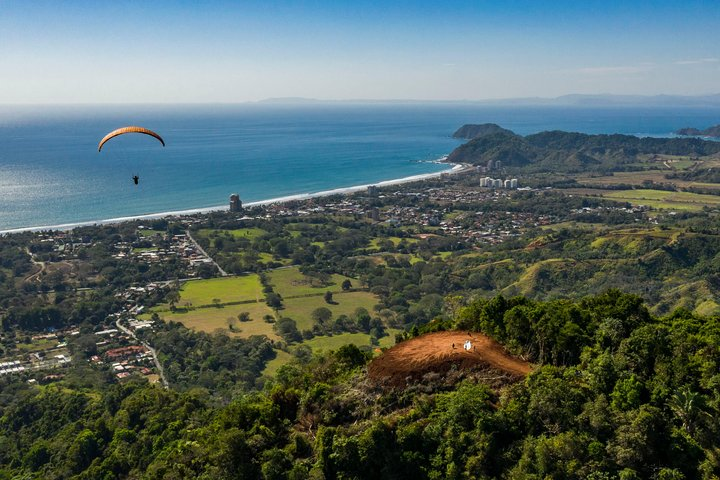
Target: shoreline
455	169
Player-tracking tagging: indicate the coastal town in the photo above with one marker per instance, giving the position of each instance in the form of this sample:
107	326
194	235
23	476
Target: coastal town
421	210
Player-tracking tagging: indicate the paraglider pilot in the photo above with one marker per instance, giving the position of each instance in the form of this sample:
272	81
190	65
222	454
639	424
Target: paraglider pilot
135	179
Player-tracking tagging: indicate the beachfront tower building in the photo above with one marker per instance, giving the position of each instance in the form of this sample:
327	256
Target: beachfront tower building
506	184
235	203
513	183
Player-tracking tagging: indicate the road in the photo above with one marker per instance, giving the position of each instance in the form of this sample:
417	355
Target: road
150	349
200	249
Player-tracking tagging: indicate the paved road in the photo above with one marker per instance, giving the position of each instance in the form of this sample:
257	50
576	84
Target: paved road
197	245
150	349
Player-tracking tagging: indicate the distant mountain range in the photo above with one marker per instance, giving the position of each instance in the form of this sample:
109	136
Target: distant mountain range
599	100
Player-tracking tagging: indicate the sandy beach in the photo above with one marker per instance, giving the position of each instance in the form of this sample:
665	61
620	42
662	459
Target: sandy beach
455	169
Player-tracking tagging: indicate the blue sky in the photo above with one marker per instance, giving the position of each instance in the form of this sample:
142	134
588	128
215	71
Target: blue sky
214	51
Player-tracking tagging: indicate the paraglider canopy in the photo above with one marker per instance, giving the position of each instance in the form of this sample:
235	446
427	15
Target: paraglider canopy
131	129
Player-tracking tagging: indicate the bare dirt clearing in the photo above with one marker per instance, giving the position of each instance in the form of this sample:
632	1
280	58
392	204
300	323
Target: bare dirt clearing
434	352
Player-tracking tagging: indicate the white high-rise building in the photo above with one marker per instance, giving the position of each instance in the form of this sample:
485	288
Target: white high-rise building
513	183
506	184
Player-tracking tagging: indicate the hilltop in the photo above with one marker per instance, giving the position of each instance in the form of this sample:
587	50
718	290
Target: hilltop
471	131
708	132
559	151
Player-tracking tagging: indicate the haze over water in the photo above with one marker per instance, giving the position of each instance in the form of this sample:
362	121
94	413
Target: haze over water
52	174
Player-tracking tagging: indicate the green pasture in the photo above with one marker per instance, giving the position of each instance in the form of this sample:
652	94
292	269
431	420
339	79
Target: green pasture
227	289
289	282
265	257
374	243
37	345
210	319
250	233
325	343
665	200
273	365
300	308
150	233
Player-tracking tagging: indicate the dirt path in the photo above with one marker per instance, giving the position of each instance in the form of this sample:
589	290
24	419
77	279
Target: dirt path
34	276
434	352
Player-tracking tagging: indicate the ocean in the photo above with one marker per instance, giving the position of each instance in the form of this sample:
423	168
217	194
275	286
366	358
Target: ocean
52	174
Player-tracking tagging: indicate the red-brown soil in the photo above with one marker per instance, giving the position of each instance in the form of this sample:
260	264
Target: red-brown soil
434	352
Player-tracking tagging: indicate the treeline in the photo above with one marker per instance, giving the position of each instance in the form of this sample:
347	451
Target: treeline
617	394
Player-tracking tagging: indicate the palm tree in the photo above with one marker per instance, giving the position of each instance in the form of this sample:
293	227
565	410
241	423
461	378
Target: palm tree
690	408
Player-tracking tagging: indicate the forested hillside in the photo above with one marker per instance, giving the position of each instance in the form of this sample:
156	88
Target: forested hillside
559	151
616	393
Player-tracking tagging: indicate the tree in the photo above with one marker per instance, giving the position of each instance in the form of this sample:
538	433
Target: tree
273	300
173	297
244	316
287	328
346	285
626	395
329	297
690	408
321	315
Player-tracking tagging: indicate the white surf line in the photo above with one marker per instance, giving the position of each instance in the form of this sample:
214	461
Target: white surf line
456	168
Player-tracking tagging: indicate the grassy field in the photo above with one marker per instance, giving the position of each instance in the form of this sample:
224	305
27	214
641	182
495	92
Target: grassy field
707	308
150	233
374	243
213	318
325	343
273	365
527	280
300	309
289	282
37	345
228	289
665	200
637	178
250	233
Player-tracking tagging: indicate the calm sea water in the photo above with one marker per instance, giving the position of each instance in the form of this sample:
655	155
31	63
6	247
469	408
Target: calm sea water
52	174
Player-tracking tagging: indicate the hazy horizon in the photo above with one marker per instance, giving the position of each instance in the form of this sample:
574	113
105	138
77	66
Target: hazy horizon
225	52
619	97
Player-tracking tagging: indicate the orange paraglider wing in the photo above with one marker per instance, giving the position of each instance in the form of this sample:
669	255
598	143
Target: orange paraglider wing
124	130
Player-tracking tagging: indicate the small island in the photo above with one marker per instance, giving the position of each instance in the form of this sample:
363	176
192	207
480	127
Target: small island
694	132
